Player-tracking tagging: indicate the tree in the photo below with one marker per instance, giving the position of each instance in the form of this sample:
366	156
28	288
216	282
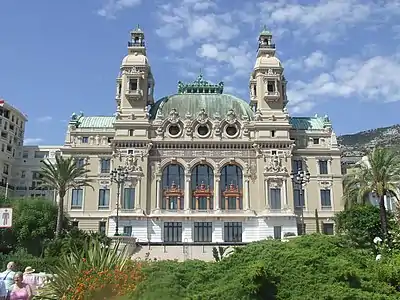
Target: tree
361	224
61	176
379	174
34	222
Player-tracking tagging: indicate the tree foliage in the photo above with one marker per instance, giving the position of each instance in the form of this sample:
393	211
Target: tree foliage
361	224
307	268
61	176
34	222
379	174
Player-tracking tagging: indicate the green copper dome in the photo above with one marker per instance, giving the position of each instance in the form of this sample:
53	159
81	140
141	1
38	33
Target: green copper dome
200	94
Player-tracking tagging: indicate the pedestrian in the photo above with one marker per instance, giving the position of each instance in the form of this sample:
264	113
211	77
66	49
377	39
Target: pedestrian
20	290
31	279
3	291
8	276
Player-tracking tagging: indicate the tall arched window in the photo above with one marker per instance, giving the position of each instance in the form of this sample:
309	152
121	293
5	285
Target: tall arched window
202	184
173	179
231	187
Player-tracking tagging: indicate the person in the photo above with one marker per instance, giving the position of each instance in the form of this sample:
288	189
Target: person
3	291
20	290
31	279
8	276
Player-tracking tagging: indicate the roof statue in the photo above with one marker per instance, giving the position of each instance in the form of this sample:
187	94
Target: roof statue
200	86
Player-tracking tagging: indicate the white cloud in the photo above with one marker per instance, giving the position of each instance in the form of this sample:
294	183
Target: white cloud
315	60
32	141
325	20
368	80
111	7
44	119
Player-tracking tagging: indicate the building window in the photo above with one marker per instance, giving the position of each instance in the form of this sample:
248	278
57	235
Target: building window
129	198
105	165
327	228
173	232
277	232
297	165
79	162
300	228
316	141
323	166
130	132
85	140
271	86
102	227
233	232
133	84
203	232
25	154
127	231
104	199
23	174
275	198
326	199
272	133
6	169
75	224
298	196
231	187
77	197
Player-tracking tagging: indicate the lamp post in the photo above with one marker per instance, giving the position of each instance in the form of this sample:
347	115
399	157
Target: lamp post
119	176
300	178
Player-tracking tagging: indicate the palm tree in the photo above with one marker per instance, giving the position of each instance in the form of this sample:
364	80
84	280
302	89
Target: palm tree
61	176
379	174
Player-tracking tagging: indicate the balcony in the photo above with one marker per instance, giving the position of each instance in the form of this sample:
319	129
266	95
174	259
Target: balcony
137	44
266	46
272	96
134	94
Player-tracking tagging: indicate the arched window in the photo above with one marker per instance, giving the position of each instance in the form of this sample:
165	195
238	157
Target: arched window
231	187
173	179
202	184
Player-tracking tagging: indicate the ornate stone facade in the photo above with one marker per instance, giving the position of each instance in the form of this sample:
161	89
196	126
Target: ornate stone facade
204	166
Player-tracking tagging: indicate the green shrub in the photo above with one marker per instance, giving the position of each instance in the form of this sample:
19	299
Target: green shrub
24	259
306	268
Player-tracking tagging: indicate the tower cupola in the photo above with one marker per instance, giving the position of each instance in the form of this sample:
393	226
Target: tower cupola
265	44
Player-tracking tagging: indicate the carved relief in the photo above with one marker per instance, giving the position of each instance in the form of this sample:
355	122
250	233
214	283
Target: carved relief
231	117
274	165
173	116
146	151
202	117
258	115
275	182
325	184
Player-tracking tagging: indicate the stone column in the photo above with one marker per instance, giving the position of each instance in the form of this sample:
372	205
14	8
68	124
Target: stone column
217	191
284	194
139	185
267	206
187	192
246	194
158	192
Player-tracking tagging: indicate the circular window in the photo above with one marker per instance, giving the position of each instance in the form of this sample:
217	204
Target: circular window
174	130
202	130
231	130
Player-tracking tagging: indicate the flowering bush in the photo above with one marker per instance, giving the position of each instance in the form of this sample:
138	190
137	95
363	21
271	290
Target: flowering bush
106	284
94	272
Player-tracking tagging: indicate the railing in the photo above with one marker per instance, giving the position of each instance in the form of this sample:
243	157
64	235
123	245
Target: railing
137	44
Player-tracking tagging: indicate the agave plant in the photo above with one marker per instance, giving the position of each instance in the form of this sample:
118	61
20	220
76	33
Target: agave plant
94	260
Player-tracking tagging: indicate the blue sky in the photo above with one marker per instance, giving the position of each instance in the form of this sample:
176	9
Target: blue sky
341	57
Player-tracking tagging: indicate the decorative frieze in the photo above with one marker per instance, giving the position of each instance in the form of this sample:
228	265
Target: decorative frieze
203	153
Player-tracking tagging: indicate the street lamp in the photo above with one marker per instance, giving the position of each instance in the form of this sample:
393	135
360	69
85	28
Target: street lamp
300	179
119	176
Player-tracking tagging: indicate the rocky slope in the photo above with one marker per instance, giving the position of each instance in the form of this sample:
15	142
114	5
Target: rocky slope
357	144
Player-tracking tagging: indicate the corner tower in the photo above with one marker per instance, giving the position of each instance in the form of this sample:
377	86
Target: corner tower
267	81
135	83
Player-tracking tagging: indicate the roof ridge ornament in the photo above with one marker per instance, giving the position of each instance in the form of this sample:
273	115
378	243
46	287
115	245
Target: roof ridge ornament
200	86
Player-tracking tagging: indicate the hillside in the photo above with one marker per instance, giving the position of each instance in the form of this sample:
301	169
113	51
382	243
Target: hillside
359	143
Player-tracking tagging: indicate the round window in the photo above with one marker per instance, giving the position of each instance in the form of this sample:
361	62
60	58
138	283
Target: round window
202	130
231	130
174	130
